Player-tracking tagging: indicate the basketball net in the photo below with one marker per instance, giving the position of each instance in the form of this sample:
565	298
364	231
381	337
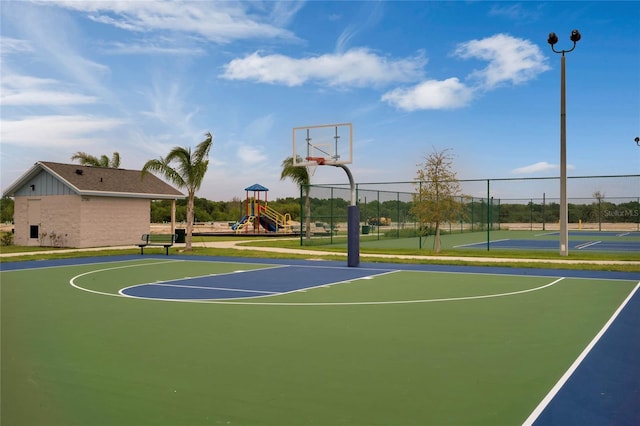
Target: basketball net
314	162
311	168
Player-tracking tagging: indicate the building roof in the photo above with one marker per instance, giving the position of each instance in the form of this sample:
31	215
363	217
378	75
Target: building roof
100	181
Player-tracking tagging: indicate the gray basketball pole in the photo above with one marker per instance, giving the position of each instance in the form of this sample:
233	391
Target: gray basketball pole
353	223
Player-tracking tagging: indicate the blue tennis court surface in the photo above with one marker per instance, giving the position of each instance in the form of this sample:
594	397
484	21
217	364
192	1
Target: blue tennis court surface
578	240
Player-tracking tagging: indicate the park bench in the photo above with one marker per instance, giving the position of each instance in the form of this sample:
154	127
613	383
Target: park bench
164	240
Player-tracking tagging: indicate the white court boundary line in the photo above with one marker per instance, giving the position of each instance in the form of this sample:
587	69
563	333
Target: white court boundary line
390	302
565	377
237	302
73	279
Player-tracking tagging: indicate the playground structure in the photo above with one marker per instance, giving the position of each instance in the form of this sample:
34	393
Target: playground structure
259	215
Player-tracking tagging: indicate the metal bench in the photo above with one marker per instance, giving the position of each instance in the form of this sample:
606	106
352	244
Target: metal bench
164	240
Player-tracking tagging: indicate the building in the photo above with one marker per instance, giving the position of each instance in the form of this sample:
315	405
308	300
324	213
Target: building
69	205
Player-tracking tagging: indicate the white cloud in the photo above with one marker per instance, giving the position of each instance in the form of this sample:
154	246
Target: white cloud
356	67
27	90
250	155
55	130
431	94
10	45
511	60
539	167
220	22
517	11
153	47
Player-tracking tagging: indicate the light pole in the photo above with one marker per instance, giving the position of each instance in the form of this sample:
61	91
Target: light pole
564	212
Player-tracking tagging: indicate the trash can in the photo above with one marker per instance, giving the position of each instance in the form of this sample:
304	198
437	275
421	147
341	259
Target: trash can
180	235
365	229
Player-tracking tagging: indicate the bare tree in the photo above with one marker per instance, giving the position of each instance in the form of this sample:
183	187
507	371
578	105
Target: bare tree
437	197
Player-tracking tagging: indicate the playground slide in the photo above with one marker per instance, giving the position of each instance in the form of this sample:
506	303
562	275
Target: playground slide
268	224
240	222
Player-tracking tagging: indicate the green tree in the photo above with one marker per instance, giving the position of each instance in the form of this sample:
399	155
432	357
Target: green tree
438	193
185	169
90	160
6	209
300	176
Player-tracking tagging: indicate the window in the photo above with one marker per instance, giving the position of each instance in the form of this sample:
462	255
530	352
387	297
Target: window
33	231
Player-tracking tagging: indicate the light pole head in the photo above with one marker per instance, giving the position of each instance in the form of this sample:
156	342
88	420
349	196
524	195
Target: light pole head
553	39
575	36
637	139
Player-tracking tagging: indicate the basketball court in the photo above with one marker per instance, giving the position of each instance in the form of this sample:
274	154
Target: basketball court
198	340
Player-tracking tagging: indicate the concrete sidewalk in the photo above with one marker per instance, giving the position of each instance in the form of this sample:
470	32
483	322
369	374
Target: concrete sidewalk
235	244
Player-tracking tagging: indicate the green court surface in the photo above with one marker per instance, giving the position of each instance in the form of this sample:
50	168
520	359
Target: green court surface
393	347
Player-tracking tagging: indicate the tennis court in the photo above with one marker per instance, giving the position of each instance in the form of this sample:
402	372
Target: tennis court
132	340
578	240
620	242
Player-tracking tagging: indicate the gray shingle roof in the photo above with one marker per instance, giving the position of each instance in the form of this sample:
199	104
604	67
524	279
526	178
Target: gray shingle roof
89	180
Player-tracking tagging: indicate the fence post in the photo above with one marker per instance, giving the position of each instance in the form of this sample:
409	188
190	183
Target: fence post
488	215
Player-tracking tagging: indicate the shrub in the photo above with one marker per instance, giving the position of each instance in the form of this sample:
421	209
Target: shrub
6	238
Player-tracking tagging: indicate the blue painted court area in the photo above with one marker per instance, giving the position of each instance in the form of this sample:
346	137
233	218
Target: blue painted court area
580	245
605	387
246	284
595	234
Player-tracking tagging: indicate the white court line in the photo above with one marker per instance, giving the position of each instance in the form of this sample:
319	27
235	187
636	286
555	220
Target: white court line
73	279
482	243
198	286
388	302
556	388
588	244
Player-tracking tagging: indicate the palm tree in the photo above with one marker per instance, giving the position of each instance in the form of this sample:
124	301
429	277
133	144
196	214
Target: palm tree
300	176
89	160
188	172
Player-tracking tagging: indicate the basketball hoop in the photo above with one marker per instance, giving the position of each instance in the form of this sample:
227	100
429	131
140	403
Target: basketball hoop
313	163
318	160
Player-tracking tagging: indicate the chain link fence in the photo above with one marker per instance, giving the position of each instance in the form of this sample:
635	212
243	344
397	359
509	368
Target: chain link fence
387	208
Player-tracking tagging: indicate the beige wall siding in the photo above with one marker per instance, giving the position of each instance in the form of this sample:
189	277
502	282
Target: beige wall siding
57	218
20	222
75	221
108	221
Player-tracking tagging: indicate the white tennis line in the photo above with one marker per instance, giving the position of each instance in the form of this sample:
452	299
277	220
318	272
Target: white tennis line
482	243
552	393
198	286
624	234
546	234
589	244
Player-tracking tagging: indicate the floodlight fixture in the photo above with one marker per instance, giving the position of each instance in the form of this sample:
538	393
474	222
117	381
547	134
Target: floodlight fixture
564	211
553	39
575	36
637	139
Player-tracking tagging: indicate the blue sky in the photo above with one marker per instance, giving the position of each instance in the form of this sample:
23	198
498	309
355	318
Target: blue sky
478	78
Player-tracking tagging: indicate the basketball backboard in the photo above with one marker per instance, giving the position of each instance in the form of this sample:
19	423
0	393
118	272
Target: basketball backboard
325	144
